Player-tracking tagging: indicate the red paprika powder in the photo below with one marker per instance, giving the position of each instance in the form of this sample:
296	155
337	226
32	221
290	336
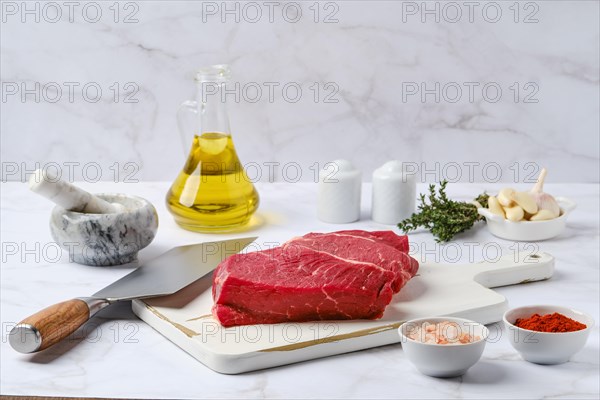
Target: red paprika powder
550	323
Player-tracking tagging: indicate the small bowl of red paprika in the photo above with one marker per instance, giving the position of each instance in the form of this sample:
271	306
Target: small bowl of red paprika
545	334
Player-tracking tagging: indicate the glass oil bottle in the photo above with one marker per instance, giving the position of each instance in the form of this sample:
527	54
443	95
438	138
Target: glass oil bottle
212	193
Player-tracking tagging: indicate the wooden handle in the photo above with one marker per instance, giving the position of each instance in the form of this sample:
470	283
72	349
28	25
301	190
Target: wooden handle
49	326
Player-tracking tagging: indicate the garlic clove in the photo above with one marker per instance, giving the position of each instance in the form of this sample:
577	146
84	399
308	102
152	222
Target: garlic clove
546	202
527	216
542	215
514	213
526	201
495	207
543	200
505	197
539	185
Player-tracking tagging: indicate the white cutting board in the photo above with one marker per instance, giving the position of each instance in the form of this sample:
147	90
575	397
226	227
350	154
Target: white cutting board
437	290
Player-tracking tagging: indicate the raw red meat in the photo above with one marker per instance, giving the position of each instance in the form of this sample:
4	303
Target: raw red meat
340	275
399	242
356	246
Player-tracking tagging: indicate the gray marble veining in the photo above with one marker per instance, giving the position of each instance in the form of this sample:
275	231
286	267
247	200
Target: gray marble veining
117	355
547	68
106	239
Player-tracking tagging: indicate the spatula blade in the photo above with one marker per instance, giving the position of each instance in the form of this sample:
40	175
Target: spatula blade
173	270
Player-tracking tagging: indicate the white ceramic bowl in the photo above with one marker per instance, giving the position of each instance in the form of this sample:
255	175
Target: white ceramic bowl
443	360
546	347
528	231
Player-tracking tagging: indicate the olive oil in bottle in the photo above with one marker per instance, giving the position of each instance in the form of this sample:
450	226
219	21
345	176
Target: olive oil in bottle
212	193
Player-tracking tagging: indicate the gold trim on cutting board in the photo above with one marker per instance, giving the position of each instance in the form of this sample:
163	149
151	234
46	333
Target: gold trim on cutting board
200	317
289	347
336	338
187	331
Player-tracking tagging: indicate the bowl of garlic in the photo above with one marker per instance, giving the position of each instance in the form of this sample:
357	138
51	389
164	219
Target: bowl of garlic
527	216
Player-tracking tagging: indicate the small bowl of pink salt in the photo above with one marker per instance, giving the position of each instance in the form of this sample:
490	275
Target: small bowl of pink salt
443	347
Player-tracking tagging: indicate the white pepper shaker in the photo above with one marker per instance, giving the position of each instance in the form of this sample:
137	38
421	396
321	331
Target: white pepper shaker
394	193
339	192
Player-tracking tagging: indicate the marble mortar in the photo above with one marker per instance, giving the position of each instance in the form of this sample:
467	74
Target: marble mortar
106	239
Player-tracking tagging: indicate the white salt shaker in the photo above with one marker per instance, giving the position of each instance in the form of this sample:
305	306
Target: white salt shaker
339	193
394	193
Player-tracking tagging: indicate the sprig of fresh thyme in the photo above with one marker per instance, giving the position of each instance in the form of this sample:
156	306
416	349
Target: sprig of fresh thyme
445	218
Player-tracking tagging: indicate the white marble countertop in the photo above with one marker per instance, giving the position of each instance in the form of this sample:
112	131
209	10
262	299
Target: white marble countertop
117	355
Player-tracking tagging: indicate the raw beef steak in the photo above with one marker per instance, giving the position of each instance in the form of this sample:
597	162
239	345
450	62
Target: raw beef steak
399	242
332	276
353	247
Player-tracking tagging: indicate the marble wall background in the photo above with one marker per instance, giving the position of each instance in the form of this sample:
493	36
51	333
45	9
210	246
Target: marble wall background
369	60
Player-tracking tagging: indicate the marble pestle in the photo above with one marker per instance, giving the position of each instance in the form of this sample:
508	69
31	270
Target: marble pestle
100	229
69	196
